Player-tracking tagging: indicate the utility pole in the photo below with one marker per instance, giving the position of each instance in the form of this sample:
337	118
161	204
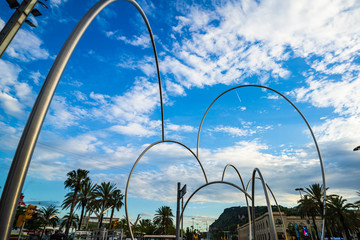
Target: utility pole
16	21
180	194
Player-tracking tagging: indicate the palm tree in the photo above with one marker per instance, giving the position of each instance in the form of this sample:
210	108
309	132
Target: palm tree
74	182
307	207
358	202
312	203
116	202
103	193
145	226
72	223
343	212
86	194
50	218
163	219
315	192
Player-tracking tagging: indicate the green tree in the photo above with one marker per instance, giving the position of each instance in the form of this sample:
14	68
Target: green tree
312	204
343	213
72	221
116	203
74	181
86	194
49	217
103	193
357	203
146	226
163	220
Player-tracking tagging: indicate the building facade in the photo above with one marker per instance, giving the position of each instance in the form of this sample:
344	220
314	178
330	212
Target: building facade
295	224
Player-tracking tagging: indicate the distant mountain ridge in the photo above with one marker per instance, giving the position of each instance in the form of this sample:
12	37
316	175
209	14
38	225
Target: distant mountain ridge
233	216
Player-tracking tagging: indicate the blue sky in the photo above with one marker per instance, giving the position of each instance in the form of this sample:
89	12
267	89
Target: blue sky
106	108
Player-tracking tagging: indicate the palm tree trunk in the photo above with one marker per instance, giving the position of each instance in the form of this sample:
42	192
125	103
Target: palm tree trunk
43	231
316	230
102	214
346	229
111	216
87	222
68	224
81	217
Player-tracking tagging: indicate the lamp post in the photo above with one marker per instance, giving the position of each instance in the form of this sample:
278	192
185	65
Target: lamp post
20	16
299	189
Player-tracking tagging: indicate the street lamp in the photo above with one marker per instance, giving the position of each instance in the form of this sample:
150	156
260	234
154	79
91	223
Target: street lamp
20	16
299	189
357	148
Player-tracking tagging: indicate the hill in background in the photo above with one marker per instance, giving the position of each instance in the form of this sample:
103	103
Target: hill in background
233	216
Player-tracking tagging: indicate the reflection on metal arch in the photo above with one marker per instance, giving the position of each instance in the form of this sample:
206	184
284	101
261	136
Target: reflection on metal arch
307	123
277	205
133	168
247	202
22	158
208	184
271	217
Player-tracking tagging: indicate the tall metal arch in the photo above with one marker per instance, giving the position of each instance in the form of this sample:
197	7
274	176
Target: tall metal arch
134	166
208	184
277	205
242	183
271	216
22	158
307	124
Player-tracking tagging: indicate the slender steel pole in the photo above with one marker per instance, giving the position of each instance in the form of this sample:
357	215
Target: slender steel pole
247	201
178	210
277	205
271	216
22	158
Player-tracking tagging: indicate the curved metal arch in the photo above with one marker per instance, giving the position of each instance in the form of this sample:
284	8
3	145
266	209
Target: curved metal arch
133	168
271	216
277	205
303	117
208	184
247	202
33	126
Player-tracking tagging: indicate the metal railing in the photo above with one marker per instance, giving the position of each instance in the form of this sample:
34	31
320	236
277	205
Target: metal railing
99	234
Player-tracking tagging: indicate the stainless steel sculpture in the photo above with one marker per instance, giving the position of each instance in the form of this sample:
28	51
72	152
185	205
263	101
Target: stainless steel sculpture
134	166
212	183
22	158
277	205
307	124
243	186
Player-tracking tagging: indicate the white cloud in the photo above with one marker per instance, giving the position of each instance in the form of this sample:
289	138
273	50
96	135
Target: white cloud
14	95
57	3
179	128
340	95
26	50
133	129
36	76
11	105
142	40
242	39
174	88
62	115
233	131
134	106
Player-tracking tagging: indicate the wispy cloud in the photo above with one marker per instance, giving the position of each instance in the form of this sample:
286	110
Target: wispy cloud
241	39
142	40
28	50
